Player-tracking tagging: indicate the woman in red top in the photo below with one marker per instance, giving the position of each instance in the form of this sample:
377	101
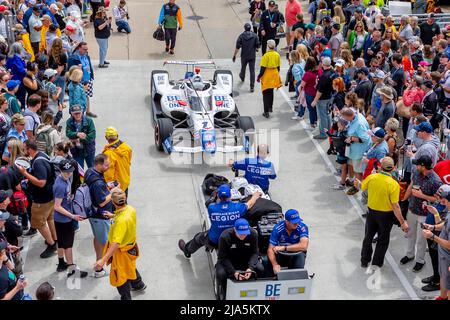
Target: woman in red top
308	86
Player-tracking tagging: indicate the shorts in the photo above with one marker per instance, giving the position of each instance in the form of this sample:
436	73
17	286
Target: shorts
65	232
357	165
90	89
288	29
341	160
41	213
444	264
100	229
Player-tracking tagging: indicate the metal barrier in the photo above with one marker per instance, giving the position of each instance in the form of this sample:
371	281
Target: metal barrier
442	19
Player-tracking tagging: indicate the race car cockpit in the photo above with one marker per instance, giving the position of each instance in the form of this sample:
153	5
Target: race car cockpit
196	83
200	104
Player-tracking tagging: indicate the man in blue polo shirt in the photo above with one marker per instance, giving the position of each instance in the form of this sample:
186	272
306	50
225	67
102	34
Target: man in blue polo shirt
222	216
257	170
290	235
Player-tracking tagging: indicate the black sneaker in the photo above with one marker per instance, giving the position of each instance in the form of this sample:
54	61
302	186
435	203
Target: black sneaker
30	233
406	259
77	271
418	266
62	267
106	62
252	89
266	115
49	251
353	190
103	65
139	289
431	287
428	280
182	246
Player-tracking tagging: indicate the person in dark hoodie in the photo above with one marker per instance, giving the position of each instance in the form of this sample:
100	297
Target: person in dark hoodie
248	43
103	206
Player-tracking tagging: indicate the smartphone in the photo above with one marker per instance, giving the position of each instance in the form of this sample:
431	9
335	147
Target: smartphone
422	226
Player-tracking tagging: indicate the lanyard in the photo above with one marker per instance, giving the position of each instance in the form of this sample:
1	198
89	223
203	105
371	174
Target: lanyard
271	16
385	173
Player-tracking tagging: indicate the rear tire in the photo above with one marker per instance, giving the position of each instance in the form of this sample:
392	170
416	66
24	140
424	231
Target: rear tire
163	130
244	125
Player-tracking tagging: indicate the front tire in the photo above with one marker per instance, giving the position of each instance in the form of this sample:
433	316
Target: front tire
163	130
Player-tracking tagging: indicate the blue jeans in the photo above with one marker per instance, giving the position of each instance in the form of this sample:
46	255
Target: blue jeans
103	49
123	25
61	83
324	117
84	154
312	111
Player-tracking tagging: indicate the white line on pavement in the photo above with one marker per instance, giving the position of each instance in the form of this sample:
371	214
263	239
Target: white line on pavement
399	273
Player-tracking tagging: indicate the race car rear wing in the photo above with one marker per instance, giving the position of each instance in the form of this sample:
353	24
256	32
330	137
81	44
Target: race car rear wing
190	62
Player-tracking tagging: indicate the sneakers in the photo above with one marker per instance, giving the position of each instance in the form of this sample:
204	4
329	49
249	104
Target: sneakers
171	51
338	186
74	270
139	289
353	190
49	251
182	246
103	65
31	233
428	280
100	273
62	267
167	49
252	89
406	259
431	287
106	62
296	117
418	266
266	115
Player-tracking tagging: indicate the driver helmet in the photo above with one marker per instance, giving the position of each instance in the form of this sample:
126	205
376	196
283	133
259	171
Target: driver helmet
197	82
251	189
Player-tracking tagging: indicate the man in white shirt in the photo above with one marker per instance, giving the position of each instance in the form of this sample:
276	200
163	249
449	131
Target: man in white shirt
35	26
120	13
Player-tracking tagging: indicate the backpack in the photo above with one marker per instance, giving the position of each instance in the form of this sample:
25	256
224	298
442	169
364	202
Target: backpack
212	182
52	168
44	142
82	202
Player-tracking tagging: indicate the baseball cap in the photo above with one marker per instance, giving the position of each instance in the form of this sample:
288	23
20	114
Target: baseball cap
359	10
387	163
292	216
111	132
242	227
66	166
75	108
326	19
326	61
310	26
224	191
11	84
377	132
424	126
424	63
271	3
431	16
118	196
340	63
364	70
424	160
379	74
323	41
48	73
46	17
70	28
443	190
3	244
428	84
5	194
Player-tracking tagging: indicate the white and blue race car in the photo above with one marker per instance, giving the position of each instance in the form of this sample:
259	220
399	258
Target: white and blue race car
201	112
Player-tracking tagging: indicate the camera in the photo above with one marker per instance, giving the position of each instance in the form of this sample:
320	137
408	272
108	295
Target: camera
408	142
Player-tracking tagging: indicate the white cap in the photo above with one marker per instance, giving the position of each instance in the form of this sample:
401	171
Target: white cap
340	63
48	73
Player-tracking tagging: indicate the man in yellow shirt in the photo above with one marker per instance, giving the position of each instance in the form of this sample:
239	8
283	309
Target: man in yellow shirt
46	23
121	250
384	195
119	154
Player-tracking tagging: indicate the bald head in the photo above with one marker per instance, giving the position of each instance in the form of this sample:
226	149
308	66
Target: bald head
263	150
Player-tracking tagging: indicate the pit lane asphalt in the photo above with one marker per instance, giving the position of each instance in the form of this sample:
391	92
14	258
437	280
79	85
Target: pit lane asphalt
163	192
